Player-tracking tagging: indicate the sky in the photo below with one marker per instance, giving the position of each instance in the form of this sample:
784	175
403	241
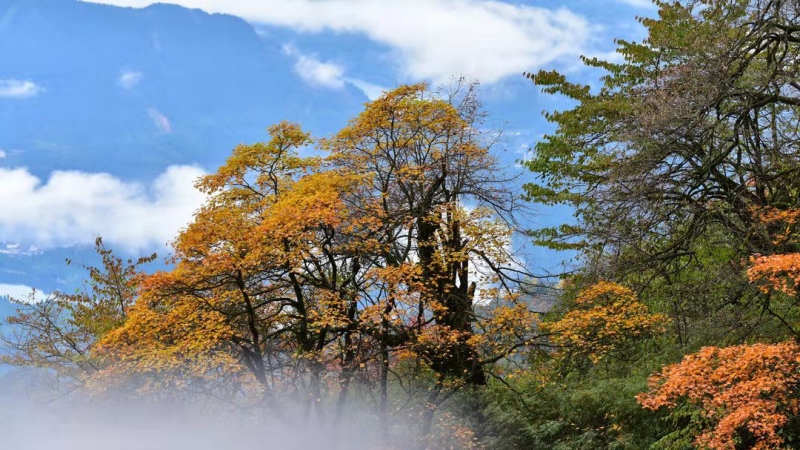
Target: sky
433	39
370	44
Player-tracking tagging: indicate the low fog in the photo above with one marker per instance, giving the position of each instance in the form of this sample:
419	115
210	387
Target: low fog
31	420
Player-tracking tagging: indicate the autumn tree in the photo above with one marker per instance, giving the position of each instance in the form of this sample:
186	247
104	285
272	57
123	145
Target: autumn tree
302	275
746	394
604	319
235	288
671	163
427	161
60	332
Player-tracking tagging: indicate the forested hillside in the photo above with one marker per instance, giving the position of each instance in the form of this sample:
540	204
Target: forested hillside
374	286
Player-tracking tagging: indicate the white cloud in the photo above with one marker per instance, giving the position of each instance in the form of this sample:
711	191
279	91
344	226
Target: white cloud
327	74
19	89
160	120
75	207
435	39
372	91
314	71
639	3
3	154
21	293
129	79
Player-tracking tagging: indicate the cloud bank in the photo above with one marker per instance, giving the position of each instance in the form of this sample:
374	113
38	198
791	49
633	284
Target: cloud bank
75	207
433	39
21	292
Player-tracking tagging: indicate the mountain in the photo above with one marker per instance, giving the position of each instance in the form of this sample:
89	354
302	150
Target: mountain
127	91
130	91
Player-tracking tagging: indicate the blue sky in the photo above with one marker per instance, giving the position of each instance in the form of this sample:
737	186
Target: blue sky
332	45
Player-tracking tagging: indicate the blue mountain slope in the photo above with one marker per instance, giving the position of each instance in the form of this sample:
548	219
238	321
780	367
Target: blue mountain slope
212	78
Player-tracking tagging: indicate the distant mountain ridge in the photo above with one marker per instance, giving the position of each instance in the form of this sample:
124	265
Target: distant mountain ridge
129	91
132	91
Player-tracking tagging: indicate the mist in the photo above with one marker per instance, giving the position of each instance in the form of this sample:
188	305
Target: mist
30	420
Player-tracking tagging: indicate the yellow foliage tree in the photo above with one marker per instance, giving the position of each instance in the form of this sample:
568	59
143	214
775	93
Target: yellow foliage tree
302	274
606	316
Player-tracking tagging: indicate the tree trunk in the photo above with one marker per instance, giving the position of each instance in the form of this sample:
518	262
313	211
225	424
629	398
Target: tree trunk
428	414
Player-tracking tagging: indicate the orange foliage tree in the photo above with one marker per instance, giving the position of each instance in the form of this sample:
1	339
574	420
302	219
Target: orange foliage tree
236	289
303	274
779	272
747	394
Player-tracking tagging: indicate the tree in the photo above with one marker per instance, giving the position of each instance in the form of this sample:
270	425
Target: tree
695	127
606	317
747	394
60	332
236	273
778	272
304	275
676	166
666	160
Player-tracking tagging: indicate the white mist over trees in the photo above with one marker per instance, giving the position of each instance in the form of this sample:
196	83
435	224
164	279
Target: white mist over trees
366	292
317	289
